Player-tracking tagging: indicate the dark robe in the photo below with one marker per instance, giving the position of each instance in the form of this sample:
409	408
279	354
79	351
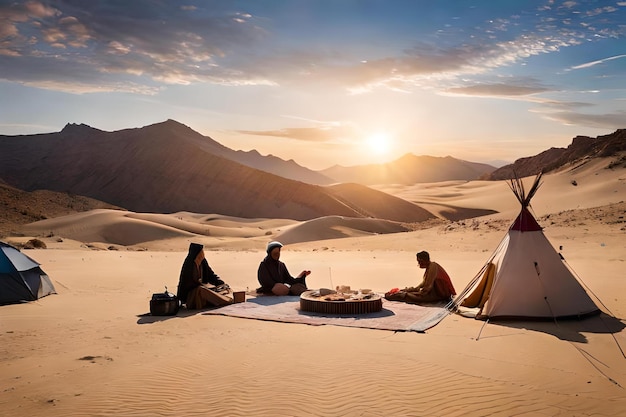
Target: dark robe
192	276
273	272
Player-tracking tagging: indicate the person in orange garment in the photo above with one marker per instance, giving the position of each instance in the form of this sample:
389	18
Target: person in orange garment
275	278
195	274
435	286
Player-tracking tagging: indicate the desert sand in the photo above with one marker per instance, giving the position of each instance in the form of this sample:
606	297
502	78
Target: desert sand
93	349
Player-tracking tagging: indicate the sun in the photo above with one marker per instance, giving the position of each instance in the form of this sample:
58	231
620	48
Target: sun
379	142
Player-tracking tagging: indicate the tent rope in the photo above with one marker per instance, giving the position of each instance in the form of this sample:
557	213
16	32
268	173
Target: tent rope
599	300
585	285
586	355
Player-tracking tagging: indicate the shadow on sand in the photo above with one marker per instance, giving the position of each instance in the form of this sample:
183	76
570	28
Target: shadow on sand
570	330
148	318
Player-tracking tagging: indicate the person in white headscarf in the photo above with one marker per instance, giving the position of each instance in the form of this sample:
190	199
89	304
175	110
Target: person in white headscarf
274	276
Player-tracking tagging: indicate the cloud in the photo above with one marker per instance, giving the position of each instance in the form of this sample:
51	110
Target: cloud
600	61
78	80
423	66
484	49
21	127
549	105
604	121
137	40
321	134
496	90
113	45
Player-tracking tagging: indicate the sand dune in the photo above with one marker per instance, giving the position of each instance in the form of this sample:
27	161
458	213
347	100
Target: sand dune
374	204
337	227
596	185
92	349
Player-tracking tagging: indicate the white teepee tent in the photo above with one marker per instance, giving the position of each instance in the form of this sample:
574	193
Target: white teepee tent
526	278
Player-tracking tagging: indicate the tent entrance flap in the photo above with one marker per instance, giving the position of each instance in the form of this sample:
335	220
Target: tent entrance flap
480	295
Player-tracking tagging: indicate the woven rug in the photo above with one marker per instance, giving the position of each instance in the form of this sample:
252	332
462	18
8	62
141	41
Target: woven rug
396	316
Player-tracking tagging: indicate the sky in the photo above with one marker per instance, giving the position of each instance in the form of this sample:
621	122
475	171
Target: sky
322	82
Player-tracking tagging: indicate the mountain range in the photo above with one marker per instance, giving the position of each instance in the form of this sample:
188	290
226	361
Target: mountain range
411	169
168	167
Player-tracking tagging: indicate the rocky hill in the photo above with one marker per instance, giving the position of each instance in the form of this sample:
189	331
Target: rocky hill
19	207
581	147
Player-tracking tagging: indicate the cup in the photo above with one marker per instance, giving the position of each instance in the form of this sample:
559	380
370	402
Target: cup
239	296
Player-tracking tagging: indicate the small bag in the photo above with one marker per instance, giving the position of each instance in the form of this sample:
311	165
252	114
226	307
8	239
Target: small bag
164	304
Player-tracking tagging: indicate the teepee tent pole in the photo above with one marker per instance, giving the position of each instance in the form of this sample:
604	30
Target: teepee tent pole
600	301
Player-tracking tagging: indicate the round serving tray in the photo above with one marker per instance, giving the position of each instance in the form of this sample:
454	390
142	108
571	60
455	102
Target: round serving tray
314	302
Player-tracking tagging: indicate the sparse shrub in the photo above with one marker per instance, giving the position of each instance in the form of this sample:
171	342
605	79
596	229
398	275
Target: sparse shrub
621	162
35	244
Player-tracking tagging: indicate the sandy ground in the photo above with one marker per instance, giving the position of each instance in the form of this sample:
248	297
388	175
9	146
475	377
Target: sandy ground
92	350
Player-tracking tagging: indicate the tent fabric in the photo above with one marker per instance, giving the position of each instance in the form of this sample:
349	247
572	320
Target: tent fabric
21	278
479	297
529	278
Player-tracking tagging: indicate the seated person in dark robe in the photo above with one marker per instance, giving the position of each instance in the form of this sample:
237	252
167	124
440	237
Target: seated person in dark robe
197	282
274	276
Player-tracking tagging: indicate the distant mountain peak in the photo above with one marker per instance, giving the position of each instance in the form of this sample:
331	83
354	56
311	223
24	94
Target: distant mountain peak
79	129
74	125
172	124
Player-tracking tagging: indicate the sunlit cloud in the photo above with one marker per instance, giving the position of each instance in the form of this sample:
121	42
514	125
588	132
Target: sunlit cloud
31	126
218	47
345	72
425	66
600	61
604	121
173	51
550	105
328	133
496	90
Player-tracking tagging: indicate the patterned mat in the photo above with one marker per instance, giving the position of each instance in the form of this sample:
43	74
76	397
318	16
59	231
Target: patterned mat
395	316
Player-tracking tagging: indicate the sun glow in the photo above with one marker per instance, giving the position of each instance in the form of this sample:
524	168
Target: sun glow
379	142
